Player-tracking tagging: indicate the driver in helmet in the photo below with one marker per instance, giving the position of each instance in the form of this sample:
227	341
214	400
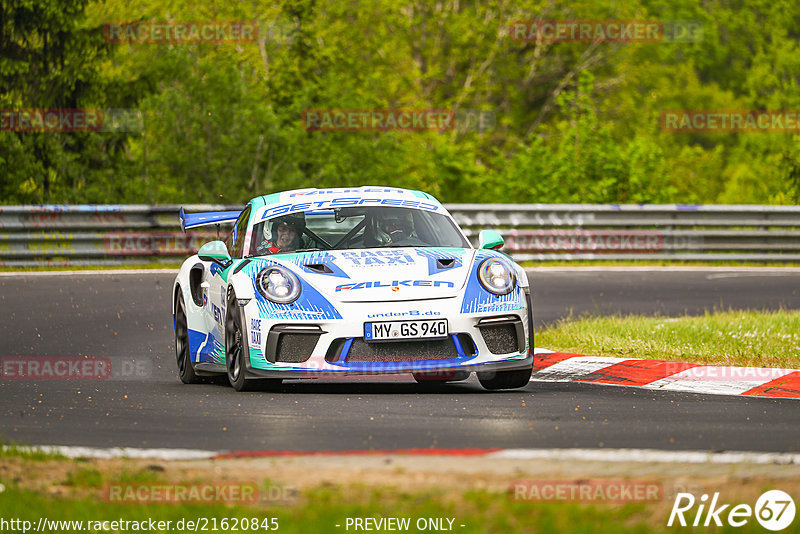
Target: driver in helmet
396	229
285	233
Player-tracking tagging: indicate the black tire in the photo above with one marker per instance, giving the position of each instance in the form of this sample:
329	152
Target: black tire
511	379
182	351
505	379
236	350
235	345
437	377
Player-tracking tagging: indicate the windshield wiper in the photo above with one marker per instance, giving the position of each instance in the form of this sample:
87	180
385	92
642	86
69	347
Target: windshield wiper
308	250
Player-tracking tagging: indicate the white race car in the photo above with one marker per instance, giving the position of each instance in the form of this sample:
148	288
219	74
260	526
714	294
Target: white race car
350	281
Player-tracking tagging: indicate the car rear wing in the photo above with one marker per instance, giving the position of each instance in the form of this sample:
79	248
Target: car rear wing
194	220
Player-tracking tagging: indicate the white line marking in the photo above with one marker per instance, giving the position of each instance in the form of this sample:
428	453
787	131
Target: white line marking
597	455
649	455
542	351
573	369
712	387
718	380
748	274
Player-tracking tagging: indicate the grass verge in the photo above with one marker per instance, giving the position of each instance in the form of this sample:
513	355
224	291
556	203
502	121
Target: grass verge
323	509
742	338
319	494
70	491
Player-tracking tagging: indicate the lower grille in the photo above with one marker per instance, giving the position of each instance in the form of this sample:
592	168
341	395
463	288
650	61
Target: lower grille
394	351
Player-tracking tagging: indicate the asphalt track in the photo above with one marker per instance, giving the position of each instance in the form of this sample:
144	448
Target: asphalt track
127	318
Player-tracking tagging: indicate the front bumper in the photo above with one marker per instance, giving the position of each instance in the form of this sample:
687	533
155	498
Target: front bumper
330	347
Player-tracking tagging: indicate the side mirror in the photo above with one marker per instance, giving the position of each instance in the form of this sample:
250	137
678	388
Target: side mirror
490	239
215	251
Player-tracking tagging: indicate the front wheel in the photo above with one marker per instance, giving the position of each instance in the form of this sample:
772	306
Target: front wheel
235	345
237	349
505	379
182	351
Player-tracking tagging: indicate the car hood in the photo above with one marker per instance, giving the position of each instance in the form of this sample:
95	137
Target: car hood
383	274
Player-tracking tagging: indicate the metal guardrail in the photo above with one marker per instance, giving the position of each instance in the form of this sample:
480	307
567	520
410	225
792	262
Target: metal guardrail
135	234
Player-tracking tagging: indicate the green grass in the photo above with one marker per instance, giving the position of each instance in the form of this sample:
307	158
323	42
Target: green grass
84	477
11	450
322	509
746	338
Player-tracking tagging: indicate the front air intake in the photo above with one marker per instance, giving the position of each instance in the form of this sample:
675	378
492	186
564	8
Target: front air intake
291	343
503	335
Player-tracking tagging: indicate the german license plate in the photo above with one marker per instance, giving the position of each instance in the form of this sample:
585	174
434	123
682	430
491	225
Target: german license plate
396	330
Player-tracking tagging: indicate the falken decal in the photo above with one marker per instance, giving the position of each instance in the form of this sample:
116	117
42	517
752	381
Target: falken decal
394	283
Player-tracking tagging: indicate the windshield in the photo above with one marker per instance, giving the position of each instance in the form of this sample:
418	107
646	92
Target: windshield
355	227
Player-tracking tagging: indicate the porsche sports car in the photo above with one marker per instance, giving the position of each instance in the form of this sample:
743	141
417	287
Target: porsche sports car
370	280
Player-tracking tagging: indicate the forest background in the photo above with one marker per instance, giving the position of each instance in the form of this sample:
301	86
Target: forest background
568	122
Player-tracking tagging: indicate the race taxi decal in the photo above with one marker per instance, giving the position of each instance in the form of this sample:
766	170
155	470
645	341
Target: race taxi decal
365	258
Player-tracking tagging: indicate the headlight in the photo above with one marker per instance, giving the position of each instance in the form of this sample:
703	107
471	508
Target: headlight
496	276
278	285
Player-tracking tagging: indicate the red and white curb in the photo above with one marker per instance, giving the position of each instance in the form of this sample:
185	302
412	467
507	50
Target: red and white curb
592	455
663	375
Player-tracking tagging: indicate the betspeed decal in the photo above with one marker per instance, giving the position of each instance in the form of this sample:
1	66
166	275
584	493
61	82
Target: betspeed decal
347	201
394	283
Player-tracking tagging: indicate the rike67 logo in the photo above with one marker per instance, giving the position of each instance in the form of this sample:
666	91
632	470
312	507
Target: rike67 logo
774	510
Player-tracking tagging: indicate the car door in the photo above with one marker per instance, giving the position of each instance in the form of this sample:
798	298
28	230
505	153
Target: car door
218	285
